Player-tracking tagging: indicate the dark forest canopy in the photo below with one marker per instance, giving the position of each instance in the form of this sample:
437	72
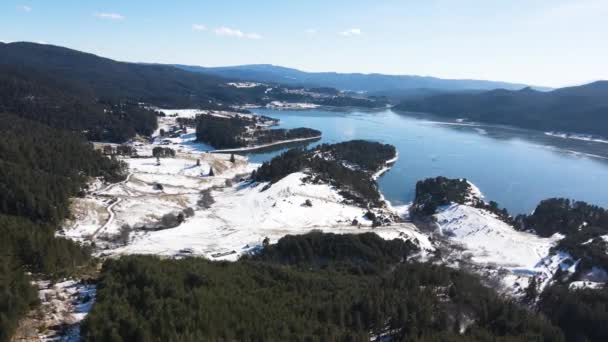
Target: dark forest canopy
100	97
277	297
581	314
40	169
365	155
582	109
235	132
564	216
434	192
60	104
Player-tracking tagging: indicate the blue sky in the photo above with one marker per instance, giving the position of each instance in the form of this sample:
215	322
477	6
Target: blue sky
541	42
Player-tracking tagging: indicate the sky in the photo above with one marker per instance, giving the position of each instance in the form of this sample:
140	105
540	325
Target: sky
539	42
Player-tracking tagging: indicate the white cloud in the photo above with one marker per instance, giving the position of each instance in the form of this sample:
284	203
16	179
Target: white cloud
110	16
229	32
311	31
351	32
24	8
199	27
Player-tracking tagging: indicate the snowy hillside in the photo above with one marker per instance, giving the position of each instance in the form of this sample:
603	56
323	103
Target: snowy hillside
492	243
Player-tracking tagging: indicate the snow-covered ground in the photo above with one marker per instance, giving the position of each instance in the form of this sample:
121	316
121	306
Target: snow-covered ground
244	214
495	245
491	240
241	216
63	307
291	105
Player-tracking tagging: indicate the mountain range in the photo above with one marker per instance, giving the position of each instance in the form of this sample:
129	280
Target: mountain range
358	82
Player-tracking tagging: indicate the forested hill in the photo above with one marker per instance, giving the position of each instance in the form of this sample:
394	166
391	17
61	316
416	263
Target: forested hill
109	79
582	109
99	97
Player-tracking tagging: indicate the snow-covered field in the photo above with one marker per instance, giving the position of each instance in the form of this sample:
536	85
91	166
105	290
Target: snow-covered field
245	214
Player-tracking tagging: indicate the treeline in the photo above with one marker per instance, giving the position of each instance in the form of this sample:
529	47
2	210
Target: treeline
275	297
40	169
327	163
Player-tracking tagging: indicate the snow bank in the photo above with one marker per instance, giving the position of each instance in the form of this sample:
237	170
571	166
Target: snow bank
583	137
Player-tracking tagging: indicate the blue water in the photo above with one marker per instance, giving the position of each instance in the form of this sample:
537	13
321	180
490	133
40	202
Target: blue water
517	168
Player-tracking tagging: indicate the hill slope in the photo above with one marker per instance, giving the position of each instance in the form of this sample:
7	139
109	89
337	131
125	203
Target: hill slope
582	109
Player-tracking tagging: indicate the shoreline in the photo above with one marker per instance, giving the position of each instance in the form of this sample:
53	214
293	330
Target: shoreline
387	166
258	147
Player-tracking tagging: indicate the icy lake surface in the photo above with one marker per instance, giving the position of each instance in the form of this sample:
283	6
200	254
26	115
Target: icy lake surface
517	168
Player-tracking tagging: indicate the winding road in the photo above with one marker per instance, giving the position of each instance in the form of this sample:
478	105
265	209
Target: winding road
110	208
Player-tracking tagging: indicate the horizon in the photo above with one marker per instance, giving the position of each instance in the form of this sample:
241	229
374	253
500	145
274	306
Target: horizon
525	42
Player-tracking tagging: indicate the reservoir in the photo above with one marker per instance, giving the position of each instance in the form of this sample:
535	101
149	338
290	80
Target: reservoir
514	167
